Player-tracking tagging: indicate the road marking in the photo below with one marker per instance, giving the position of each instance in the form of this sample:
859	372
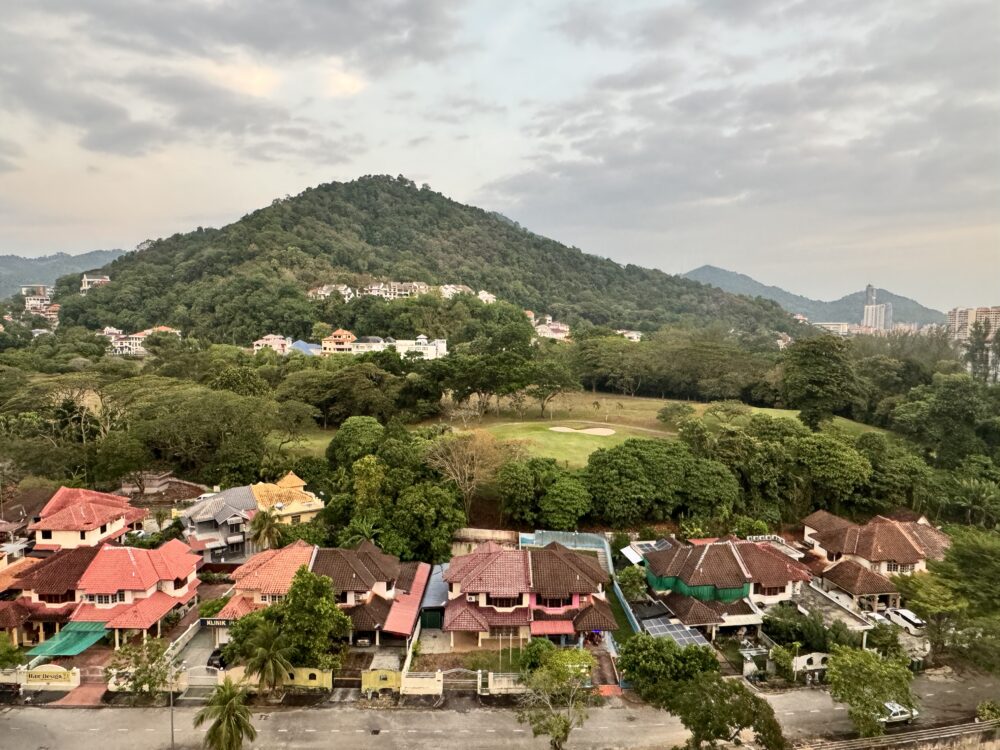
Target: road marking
310	730
788	713
814	710
928	695
150	729
282	730
491	731
411	731
661	724
94	729
839	708
949	691
122	729
358	731
335	731
971	687
521	730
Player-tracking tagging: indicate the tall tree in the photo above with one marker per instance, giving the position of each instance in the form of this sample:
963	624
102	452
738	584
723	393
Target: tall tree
269	657
865	681
265	529
557	695
819	379
470	460
231	720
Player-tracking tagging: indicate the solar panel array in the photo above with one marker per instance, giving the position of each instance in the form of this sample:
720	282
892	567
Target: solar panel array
682	635
659	544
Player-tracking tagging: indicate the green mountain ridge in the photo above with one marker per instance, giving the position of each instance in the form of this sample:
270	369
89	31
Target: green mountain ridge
16	270
249	278
848	309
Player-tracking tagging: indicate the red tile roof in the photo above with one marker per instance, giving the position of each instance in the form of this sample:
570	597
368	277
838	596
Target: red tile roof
16	569
552	627
597	616
127	568
74	509
464	616
13	614
237	607
558	571
406	605
147	612
272	571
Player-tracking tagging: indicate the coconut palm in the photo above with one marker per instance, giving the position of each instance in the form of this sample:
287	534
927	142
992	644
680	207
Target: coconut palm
230	716
265	530
269	657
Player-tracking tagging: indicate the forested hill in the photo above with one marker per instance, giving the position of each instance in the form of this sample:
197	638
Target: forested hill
848	309
16	271
251	277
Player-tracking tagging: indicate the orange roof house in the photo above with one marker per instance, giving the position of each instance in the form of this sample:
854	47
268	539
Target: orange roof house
83	518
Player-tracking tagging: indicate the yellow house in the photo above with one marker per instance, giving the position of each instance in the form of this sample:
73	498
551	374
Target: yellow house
287	499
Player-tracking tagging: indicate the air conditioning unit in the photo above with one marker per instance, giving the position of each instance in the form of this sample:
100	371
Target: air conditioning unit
471	598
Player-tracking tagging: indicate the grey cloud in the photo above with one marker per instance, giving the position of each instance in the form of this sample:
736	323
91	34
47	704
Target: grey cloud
373	34
10	152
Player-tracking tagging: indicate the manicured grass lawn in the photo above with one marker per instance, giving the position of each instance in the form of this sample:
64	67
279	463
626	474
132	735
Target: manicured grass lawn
569	448
314	443
624	631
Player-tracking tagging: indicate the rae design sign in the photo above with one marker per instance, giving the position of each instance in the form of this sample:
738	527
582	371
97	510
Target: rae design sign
36	676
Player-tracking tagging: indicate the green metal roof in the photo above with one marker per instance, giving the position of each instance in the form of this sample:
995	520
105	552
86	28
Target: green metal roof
73	639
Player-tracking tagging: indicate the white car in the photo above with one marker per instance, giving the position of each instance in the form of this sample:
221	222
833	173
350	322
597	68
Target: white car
896	713
877	618
907	620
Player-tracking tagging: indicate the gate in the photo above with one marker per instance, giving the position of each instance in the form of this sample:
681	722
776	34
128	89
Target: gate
463	680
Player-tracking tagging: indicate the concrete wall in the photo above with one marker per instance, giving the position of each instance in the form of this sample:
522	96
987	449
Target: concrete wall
422	683
45	677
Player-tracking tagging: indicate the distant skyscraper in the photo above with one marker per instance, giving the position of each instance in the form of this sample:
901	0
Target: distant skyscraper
869	295
878	317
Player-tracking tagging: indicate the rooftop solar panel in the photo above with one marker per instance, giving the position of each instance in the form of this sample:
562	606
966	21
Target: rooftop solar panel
682	635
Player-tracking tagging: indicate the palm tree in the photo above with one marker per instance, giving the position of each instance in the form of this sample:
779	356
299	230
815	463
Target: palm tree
230	716
269	657
265	530
363	527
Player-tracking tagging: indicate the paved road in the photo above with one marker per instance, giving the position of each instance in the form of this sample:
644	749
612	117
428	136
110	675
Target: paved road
803	713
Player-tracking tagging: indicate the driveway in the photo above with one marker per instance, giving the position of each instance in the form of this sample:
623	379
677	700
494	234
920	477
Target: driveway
196	653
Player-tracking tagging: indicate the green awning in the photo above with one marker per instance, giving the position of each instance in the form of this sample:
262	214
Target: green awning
73	639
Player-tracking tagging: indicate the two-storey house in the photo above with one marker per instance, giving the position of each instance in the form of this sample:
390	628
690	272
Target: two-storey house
216	526
497	594
83	518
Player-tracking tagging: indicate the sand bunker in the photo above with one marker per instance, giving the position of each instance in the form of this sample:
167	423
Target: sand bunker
601	431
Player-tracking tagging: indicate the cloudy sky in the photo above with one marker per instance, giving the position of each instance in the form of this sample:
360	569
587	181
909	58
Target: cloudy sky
814	145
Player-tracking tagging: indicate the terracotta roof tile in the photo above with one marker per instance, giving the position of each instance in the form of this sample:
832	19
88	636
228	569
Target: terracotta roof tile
357	569
822	520
58	573
882	540
596	616
131	569
74	509
463	616
16	569
272	571
500	572
558	571
768	566
13	614
716	564
237	607
858	580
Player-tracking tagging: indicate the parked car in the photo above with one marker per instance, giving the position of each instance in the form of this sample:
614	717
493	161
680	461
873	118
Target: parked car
216	660
907	620
877	618
896	713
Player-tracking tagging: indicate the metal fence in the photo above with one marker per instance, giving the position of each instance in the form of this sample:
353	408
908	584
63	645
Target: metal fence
983	728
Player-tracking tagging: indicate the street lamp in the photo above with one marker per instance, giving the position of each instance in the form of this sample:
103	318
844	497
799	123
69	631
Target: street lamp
174	671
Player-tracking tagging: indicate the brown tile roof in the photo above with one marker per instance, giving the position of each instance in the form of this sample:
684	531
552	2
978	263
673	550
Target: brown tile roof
689	610
369	616
558	571
356	569
407	575
716	564
500	572
822	520
16	569
858	580
13	614
272	571
904	514
596	616
731	609
768	566
882	539
59	573
464	616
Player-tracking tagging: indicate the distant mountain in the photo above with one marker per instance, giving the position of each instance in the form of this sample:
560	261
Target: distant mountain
16	271
848	309
249	278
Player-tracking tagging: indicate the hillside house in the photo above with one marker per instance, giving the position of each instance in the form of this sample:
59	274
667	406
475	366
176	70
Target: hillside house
486	297
447	291
497	594
216	526
83	518
723	585
391	290
883	545
287	499
307	348
89	281
132	590
47	595
339	342
274	342
326	290
133	344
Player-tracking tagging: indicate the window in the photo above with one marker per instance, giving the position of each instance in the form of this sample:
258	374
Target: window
104	527
296	519
66	596
503	601
179	582
905	568
768	590
118	596
46	534
892	567
274	598
83	534
342	597
555	602
834	556
504	631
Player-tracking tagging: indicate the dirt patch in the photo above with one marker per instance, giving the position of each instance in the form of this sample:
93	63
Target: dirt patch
598	431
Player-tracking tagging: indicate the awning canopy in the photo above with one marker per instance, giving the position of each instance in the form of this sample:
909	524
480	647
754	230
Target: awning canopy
73	639
552	627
